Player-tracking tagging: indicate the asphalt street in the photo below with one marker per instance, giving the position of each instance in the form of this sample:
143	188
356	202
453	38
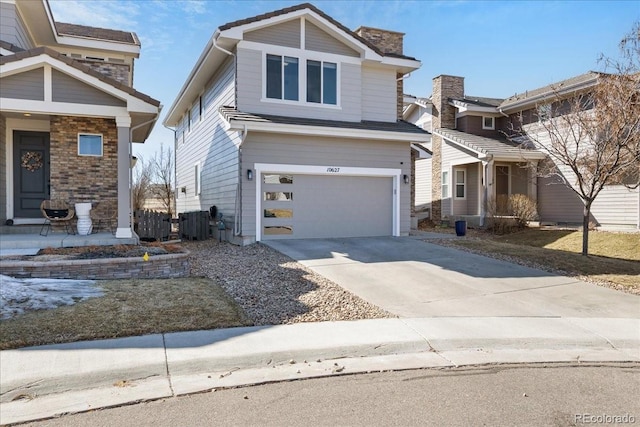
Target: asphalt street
507	395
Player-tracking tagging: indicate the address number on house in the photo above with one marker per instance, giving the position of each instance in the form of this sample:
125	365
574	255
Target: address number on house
333	170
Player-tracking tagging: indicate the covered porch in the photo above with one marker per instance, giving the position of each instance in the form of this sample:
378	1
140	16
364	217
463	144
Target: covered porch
480	174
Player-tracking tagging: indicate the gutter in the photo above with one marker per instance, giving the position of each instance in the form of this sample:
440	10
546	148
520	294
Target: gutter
534	99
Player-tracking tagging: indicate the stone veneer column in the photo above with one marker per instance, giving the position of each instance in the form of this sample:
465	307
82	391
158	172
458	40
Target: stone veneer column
125	227
444	116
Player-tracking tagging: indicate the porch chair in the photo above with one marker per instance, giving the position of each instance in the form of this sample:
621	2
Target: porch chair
104	215
56	211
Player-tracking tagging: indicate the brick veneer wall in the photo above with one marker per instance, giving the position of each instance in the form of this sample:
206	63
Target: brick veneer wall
119	72
83	178
444	116
158	267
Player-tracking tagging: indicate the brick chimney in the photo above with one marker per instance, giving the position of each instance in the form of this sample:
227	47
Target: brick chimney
388	42
444	116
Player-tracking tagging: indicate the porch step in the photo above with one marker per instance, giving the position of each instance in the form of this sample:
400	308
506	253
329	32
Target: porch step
20	229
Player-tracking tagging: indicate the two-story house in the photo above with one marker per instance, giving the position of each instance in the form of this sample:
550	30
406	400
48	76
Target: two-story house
479	157
68	113
290	124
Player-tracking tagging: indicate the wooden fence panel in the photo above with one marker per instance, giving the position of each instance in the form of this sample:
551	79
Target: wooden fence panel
152	225
194	225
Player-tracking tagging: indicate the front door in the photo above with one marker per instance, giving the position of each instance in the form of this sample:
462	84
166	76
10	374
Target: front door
502	190
30	173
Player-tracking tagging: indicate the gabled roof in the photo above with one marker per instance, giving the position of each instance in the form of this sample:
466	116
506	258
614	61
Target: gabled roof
489	147
82	67
309	6
565	86
267	122
227	36
96	33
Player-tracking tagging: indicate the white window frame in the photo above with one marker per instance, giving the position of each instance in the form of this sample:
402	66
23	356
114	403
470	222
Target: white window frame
444	184
493	123
463	183
80	134
302	56
197	179
321	81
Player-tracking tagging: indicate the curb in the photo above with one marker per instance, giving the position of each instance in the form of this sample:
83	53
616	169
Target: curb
98	374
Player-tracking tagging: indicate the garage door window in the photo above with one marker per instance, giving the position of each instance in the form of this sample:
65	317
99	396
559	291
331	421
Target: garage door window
278	213
281	196
277	230
277	179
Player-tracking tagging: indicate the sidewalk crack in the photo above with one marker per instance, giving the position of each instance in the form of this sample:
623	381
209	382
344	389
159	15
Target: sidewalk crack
166	365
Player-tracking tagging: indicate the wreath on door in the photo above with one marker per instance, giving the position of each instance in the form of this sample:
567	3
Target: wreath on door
31	161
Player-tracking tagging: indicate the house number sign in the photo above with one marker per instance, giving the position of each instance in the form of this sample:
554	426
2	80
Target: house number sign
333	170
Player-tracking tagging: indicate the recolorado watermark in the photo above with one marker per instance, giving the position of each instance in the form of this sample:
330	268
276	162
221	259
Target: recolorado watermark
604	419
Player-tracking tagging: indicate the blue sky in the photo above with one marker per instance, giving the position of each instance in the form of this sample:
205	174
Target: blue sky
500	47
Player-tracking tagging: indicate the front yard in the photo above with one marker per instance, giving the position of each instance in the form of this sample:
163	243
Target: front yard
614	259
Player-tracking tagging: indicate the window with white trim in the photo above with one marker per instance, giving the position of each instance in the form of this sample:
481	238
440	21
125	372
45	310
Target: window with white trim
90	144
461	183
198	179
282	77
488	122
322	81
317	82
445	184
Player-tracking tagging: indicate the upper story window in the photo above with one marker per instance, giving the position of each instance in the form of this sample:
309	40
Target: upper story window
282	77
322	82
89	144
286	80
488	122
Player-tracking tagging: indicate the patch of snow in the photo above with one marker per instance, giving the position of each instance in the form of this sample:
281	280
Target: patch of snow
20	295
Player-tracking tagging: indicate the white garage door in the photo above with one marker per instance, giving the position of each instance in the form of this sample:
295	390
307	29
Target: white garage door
307	206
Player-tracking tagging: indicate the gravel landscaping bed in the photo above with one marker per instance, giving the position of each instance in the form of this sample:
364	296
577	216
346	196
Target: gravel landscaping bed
274	289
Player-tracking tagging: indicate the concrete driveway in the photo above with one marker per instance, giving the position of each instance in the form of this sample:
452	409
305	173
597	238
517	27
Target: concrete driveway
410	277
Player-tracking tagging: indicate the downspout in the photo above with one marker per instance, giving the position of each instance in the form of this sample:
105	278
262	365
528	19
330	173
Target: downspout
175	169
237	220
237	226
131	169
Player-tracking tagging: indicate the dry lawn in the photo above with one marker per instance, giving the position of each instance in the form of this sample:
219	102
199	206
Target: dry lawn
614	257
128	307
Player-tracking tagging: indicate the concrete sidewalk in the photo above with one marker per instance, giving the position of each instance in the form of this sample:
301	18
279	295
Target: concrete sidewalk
41	382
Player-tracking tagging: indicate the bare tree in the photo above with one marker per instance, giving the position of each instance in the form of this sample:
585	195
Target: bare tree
162	178
142	174
593	138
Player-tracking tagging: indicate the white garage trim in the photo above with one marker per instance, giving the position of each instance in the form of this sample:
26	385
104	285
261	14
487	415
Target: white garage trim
261	168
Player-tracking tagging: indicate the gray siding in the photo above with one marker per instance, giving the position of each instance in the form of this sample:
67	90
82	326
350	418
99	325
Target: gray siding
27	85
320	151
468	205
68	89
285	34
451	155
215	149
378	94
423	184
12	28
250	92
320	41
617	205
556	203
3	168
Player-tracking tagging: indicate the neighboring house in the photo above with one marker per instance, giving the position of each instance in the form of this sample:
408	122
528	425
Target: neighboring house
154	200
289	124
479	156
68	113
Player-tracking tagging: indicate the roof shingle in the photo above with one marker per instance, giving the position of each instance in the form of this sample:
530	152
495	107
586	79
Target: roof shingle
97	33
